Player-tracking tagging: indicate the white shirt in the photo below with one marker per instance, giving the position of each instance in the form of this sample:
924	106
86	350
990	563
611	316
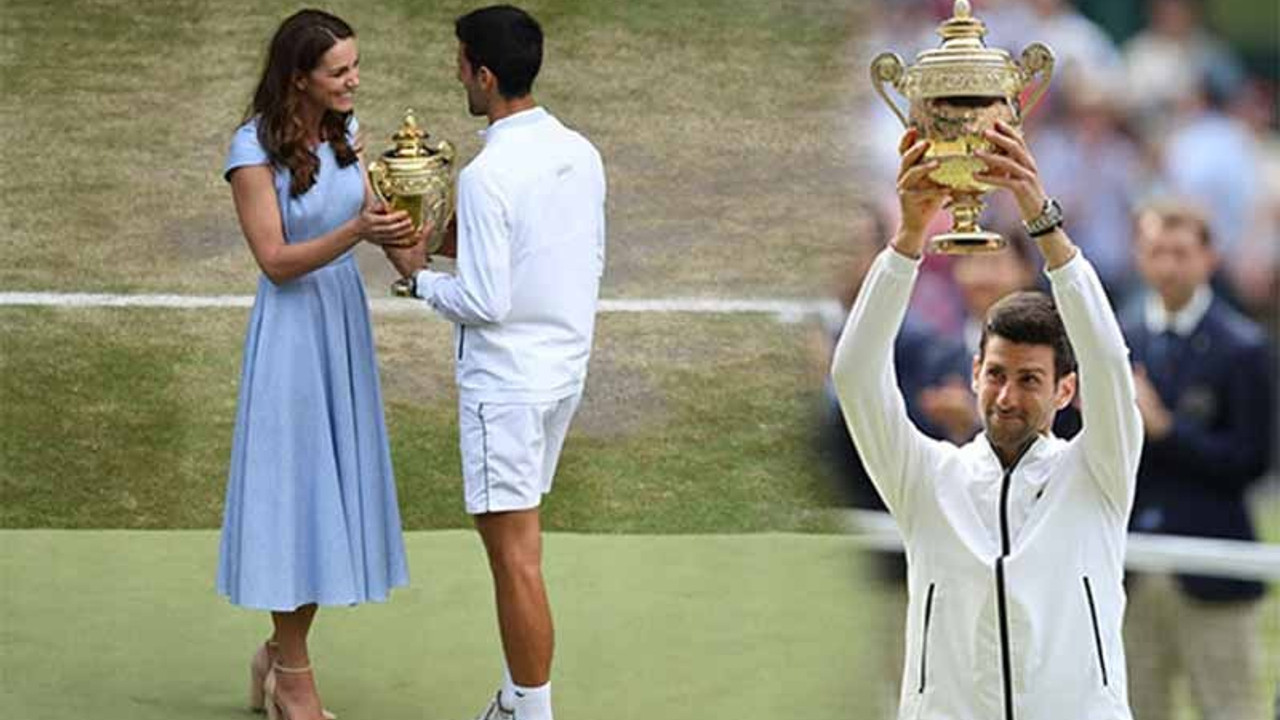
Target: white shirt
531	238
1183	322
1015	578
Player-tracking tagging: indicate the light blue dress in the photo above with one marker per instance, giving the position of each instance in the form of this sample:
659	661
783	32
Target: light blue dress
311	514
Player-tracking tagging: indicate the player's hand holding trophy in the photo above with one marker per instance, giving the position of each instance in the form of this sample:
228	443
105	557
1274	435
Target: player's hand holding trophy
955	93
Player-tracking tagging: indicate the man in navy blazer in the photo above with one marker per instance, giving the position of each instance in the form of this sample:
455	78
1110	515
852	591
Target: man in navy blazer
1207	403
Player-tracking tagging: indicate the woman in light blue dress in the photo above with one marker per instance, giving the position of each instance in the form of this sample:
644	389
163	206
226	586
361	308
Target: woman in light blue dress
311	516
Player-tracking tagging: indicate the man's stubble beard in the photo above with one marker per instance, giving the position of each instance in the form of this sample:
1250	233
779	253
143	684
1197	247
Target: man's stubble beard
1005	437
475	107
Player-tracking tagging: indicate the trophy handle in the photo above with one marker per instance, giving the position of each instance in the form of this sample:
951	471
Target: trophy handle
1036	58
445	150
377	176
887	68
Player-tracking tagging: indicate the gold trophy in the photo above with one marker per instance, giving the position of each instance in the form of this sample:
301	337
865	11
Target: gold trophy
954	94
416	176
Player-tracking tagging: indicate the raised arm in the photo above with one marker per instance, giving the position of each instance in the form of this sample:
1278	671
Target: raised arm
893	450
1111	439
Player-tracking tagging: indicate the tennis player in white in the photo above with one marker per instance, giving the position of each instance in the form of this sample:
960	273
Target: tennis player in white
1015	542
530	253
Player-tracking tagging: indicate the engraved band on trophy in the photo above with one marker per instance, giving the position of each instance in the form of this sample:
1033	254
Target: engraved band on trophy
416	176
955	93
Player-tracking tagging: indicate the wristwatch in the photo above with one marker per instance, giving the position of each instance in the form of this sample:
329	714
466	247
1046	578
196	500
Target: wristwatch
407	286
1049	219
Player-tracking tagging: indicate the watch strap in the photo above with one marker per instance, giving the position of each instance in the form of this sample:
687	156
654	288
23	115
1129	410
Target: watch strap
1050	218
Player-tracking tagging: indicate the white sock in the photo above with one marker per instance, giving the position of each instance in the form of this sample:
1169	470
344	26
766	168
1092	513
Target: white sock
530	703
508	696
533	703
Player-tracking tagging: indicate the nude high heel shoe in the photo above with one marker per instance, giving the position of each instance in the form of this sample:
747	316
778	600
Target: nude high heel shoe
274	710
259	670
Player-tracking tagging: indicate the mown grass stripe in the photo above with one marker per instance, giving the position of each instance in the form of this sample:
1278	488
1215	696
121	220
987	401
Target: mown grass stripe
710	306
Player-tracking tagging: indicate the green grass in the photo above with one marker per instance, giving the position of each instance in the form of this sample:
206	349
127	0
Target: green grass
125	626
118	418
721	123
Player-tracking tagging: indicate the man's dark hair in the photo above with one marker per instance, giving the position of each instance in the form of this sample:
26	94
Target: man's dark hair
1030	318
505	39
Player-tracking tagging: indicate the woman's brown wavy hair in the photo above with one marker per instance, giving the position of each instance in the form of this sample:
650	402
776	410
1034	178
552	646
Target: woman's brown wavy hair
296	49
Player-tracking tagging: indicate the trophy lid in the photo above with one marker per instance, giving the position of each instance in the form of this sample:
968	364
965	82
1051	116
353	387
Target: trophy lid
963	65
411	141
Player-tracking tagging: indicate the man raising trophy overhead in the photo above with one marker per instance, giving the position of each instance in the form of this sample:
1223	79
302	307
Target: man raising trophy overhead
1015	541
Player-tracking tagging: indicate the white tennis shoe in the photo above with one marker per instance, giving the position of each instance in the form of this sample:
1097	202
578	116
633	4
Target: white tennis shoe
495	711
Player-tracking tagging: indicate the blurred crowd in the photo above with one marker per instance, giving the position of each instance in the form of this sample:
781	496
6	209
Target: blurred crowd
1164	152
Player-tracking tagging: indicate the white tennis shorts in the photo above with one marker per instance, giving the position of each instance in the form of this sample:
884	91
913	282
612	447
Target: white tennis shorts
510	451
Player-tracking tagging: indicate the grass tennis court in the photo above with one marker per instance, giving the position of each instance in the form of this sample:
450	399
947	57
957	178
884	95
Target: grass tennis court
122	418
124	624
722	124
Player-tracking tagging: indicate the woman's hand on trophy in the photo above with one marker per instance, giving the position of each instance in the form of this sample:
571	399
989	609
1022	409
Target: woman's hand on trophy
378	225
919	197
1014	168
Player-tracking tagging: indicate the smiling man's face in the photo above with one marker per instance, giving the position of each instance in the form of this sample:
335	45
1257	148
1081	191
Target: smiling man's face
1018	395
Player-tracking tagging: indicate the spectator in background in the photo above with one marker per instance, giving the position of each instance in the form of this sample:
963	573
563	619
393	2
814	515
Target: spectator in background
1205	395
1254	266
905	27
1010	23
1079	45
1098	170
1214	157
1165	62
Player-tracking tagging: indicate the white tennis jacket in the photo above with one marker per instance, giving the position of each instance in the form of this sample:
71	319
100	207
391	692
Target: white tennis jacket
531	245
1014	578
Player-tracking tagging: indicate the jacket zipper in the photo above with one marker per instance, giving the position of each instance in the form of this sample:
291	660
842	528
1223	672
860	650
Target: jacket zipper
462	339
1006	659
1002	610
1097	634
924	645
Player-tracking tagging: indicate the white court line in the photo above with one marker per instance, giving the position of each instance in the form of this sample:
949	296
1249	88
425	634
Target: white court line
784	310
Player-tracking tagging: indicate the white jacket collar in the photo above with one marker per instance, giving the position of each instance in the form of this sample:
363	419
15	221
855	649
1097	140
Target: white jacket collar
514	120
1039	449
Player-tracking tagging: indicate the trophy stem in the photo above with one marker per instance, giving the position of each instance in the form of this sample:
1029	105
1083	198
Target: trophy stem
966	236
965	209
